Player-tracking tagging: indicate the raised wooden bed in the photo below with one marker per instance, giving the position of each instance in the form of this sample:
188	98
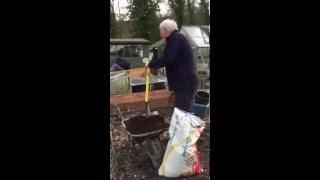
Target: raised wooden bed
133	101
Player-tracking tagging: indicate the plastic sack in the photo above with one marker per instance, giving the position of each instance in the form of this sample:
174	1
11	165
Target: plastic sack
182	157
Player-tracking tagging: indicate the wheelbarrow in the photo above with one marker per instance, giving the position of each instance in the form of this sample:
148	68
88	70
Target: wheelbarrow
147	129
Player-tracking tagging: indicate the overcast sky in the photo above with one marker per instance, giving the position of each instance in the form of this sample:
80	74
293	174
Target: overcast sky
122	4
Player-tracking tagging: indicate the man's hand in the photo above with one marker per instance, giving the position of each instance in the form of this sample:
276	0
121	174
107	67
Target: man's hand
154	71
146	61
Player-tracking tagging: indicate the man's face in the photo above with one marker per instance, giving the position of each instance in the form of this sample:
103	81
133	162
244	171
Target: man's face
163	33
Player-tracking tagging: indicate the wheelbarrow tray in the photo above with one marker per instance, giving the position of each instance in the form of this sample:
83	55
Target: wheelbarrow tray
142	126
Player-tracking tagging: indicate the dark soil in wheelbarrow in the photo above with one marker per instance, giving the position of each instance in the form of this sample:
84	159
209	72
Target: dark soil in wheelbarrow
141	124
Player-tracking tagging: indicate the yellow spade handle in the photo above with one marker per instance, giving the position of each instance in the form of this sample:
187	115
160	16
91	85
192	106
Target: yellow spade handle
146	98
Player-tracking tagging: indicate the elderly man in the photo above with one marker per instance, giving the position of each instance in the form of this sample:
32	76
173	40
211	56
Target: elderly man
180	67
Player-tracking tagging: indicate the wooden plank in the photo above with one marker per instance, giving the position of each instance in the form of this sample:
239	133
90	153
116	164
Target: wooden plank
133	101
163	94
136	73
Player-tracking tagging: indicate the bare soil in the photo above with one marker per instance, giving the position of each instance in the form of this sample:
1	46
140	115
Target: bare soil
132	162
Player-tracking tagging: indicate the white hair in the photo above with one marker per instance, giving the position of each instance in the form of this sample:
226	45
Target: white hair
168	25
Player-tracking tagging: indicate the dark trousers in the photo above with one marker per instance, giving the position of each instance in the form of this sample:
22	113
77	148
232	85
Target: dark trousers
184	99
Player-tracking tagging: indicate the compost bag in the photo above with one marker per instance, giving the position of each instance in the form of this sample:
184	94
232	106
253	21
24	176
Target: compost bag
182	157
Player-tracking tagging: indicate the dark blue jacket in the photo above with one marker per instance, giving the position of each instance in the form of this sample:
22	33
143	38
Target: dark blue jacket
178	60
123	63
